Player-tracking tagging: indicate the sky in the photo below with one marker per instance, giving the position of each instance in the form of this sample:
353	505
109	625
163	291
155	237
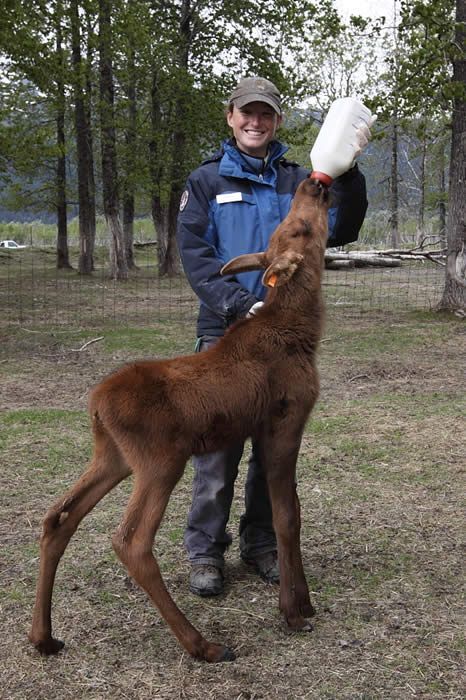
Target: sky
366	8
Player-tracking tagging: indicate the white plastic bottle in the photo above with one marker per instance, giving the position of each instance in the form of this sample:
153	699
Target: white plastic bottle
337	144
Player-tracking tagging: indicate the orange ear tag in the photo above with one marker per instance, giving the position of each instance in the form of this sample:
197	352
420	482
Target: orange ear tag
272	281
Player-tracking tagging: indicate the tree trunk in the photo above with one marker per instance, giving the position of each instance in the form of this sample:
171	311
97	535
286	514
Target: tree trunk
442	210
86	242
169	262
63	260
454	293
130	160
128	229
168	252
118	266
90	139
156	167
394	185
422	185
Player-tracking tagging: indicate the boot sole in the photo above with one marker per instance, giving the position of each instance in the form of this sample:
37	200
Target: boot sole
205	592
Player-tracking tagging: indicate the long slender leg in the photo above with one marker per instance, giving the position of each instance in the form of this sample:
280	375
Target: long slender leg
279	445
301	588
133	543
105	470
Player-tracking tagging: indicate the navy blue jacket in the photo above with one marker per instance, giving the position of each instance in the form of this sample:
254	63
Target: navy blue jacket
228	209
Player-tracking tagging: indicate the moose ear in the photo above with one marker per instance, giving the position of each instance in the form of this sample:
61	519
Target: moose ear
282	269
245	263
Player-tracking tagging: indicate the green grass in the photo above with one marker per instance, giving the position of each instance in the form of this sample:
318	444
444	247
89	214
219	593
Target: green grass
39	428
332	420
38	233
38	418
386	340
167	340
388	451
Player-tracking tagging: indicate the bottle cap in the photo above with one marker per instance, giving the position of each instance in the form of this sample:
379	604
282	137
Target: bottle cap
322	177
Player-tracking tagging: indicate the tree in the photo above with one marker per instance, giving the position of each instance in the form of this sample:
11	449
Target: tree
431	83
111	205
454	294
82	132
63	260
31	42
130	156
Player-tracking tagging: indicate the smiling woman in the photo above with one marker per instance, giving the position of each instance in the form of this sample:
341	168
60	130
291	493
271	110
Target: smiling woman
253	126
254	115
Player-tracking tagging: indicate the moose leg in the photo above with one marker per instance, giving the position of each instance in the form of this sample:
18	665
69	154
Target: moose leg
294	599
302	591
133	543
279	449
105	471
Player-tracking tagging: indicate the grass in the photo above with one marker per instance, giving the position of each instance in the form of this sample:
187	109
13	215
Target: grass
36	233
147	341
378	476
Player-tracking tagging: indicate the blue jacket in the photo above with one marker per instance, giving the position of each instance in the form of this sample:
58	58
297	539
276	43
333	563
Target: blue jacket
228	209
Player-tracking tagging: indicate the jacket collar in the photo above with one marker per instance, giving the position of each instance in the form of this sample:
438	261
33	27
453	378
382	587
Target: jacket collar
233	164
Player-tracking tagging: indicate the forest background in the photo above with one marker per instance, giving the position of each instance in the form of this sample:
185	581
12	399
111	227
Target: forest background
107	105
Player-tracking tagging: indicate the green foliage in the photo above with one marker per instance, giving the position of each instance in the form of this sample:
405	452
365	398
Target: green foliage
299	131
418	78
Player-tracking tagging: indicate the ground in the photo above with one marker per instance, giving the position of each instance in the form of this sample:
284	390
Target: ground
381	483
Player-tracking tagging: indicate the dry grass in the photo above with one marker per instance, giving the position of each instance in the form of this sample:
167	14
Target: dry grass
381	483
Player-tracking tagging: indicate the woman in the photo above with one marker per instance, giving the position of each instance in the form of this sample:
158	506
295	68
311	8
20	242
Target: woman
231	205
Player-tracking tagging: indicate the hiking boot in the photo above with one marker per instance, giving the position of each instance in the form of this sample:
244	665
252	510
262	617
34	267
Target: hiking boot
206	580
266	565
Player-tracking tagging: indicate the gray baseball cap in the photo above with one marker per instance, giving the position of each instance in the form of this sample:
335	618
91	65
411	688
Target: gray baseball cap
256	90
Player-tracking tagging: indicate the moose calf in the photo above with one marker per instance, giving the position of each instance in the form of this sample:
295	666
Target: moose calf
149	417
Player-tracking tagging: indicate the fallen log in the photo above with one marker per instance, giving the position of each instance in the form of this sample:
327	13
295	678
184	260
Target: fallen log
338	264
359	259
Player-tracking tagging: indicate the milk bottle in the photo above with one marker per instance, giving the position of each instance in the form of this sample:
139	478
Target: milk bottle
337	144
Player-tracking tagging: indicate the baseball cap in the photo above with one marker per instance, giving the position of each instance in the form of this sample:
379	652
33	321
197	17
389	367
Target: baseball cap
256	90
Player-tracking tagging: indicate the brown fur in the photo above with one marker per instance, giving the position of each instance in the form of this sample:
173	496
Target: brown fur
149	417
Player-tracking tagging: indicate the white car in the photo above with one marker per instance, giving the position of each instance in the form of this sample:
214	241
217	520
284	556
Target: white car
11	245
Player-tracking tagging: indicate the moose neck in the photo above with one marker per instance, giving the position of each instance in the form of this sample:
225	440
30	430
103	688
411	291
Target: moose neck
302	291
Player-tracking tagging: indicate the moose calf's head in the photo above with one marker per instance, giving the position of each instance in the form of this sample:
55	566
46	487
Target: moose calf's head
301	236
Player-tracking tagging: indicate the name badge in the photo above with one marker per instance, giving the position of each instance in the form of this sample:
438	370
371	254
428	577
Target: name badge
229	197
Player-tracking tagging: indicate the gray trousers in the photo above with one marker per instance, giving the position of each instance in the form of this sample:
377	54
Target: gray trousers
206	537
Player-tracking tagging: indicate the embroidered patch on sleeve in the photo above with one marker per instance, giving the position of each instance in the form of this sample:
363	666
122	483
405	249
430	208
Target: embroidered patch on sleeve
184	200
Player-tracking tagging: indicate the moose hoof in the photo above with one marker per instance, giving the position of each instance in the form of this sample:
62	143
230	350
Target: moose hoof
307	627
217	653
228	655
300	624
49	646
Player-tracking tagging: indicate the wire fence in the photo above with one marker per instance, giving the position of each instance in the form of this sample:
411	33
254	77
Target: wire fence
34	293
